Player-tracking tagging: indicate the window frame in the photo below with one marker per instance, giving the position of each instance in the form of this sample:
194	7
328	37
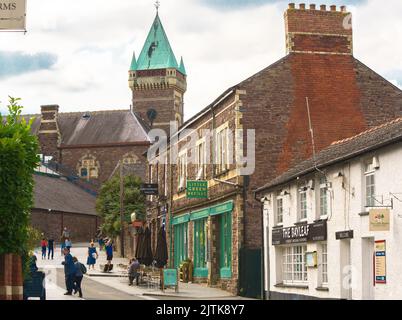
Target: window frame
323	185
289	257
222	154
279	222
369	173
182	170
201	165
324	265
301	208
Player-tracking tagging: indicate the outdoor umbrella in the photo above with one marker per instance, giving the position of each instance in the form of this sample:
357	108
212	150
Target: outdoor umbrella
146	256
161	254
140	240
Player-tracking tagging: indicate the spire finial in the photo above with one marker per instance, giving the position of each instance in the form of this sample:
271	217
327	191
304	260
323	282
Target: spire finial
157	5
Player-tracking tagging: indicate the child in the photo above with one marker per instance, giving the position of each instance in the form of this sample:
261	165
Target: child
43	244
68	244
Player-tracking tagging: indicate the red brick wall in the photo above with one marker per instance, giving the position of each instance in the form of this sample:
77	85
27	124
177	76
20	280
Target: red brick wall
11	277
82	227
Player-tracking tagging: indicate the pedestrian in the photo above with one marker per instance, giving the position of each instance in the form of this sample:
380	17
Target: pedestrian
133	273
65	234
109	252
32	263
80	270
68	244
92	256
69	271
50	248
101	243
43	244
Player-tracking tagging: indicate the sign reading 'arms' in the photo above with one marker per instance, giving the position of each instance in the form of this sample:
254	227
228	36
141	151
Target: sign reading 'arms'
12	15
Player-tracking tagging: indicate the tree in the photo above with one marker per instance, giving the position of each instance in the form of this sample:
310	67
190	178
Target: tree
108	203
18	160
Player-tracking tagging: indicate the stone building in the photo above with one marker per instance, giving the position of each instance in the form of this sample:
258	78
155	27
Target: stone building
320	82
332	224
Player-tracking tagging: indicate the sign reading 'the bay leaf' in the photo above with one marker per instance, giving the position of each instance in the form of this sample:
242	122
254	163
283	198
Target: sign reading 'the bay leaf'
12	15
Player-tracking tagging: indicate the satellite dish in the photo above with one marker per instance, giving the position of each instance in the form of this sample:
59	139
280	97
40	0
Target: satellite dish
151	114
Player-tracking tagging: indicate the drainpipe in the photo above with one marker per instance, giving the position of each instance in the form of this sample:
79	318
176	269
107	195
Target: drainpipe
262	203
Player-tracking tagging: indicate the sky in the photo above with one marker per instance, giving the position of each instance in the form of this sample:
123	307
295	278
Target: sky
77	53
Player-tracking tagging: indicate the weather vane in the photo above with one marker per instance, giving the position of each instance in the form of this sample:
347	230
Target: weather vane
157	5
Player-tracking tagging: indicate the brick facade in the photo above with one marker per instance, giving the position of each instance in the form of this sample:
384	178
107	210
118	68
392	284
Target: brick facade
11	277
82	227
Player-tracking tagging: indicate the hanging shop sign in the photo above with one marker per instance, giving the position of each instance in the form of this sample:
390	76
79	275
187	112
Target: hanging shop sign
301	233
341	235
197	189
379	220
12	15
380	262
149	189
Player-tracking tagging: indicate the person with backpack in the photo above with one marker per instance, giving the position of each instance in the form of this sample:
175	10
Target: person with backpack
80	270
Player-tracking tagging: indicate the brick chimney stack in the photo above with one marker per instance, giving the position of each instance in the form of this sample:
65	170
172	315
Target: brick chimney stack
323	31
49	133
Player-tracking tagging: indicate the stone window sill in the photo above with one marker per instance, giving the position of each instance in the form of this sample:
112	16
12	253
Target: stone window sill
293	286
322	289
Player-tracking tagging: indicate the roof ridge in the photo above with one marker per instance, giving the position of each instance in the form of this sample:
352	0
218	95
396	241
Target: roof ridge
367	131
94	112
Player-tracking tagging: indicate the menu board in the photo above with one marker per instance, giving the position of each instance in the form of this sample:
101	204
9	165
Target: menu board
380	262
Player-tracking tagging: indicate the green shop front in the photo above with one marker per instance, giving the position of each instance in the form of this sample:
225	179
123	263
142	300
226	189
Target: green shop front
205	237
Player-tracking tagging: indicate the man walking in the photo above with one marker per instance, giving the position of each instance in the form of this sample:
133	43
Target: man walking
50	248
69	271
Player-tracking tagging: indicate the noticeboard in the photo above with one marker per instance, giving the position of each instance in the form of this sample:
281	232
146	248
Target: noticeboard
380	262
170	277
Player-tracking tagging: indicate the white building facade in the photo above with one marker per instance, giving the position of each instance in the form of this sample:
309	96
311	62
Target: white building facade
333	226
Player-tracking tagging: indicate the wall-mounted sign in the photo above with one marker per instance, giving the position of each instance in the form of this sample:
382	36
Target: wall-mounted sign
344	235
311	259
379	220
149	189
197	189
12	15
301	233
380	262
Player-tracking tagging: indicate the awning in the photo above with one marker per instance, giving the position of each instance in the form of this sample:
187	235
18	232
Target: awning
212	211
200	214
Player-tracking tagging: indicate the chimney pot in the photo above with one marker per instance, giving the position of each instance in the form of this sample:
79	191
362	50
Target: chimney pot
302	6
312	6
292	5
323	7
333	8
343	8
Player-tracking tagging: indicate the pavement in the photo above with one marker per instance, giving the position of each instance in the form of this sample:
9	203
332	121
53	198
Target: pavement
114	285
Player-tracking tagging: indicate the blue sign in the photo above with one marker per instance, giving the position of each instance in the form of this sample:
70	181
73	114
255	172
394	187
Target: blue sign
170	277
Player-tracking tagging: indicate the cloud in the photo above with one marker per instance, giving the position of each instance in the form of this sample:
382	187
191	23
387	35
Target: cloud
17	63
234	4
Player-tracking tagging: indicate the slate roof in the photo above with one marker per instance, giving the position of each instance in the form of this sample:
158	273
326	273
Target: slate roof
101	127
60	195
338	151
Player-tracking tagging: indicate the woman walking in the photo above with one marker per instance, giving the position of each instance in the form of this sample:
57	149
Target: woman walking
92	256
43	244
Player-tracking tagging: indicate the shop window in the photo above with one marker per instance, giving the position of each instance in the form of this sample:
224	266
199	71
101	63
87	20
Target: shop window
180	243
369	176
226	245
200	248
294	268
324	265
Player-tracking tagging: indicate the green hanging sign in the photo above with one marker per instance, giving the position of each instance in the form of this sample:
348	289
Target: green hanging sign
197	189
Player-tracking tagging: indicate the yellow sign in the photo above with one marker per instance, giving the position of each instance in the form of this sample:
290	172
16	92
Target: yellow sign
12	15
379	220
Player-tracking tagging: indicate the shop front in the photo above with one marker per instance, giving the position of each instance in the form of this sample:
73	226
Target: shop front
205	237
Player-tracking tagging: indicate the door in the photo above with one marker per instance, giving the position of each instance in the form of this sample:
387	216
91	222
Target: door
346	270
367	268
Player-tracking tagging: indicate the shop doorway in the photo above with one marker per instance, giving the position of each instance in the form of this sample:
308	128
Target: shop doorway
346	270
367	268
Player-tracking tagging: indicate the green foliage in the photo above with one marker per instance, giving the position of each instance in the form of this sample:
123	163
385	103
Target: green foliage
108	203
18	159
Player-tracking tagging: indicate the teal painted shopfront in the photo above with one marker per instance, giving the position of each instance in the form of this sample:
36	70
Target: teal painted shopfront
222	214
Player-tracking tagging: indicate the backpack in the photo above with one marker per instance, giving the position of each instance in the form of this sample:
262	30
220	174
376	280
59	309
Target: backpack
83	268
